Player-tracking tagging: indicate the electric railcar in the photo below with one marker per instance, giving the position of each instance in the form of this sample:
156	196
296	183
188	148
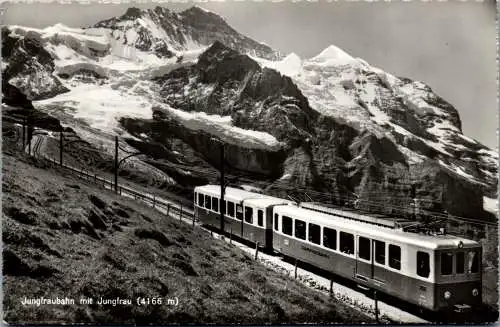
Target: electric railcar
248	215
435	272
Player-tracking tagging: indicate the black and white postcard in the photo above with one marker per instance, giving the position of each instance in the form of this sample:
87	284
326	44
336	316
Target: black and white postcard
249	162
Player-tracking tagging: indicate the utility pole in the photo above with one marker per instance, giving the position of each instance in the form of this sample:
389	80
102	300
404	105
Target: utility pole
24	133
116	163
30	128
222	188
414	201
61	148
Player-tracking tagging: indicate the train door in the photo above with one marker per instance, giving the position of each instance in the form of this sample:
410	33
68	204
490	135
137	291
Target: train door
276	236
364	264
269	226
378	261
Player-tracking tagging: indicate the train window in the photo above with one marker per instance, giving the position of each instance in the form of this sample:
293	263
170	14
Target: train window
300	229
446	263
423	264
379	252
460	264
330	238
364	248
208	202
286	225
473	262
260	218
249	215
230	208
346	243
200	199
239	212
276	221
314	233
394	256
215	204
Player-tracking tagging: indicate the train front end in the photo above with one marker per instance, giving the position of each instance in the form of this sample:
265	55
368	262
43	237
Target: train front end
458	278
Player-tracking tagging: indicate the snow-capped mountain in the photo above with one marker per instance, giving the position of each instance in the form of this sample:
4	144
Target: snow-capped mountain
168	33
332	122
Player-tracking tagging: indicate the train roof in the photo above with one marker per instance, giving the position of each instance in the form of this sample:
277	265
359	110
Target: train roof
355	214
236	194
267	201
426	241
231	193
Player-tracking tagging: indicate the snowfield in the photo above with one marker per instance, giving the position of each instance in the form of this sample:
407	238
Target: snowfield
74	38
101	106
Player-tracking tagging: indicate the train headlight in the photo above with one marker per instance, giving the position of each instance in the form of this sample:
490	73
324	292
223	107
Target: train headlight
475	292
447	295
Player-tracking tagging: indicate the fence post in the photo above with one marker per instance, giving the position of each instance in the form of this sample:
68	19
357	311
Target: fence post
376	306
120	190
194	218
295	273
168	209
180	213
256	250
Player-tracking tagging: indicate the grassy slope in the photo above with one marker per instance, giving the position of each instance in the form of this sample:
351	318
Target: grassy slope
65	238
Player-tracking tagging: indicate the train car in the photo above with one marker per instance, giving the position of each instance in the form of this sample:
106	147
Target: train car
247	215
438	273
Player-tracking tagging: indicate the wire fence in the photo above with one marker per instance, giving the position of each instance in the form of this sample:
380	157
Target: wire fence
170	208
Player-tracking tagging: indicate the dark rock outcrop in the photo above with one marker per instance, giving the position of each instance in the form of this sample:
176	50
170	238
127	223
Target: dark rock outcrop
29	67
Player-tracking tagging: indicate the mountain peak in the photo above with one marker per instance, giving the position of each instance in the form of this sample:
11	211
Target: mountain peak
197	12
333	55
132	12
199	9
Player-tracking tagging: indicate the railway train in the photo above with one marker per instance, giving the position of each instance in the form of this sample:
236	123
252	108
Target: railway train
434	272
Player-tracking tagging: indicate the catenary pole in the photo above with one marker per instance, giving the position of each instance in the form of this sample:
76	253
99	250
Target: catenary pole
116	163
61	148
221	204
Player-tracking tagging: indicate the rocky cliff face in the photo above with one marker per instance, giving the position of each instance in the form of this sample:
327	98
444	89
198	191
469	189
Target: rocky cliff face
332	126
226	83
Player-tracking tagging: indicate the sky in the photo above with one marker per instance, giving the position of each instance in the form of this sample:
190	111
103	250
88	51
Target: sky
451	45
